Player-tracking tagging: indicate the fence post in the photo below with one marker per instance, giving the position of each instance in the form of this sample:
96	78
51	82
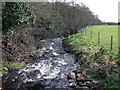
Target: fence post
85	32
98	37
81	31
111	41
91	34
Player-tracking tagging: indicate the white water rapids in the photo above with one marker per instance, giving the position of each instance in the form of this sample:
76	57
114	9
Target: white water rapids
50	70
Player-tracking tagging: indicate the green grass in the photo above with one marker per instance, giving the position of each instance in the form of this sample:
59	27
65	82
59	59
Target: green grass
105	35
11	65
79	42
16	65
63	52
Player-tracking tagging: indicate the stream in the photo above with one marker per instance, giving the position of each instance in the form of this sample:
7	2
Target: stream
50	70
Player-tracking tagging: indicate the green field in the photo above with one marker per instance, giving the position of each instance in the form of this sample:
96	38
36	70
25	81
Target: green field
105	35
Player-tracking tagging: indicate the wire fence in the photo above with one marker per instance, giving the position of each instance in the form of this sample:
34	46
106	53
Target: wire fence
98	36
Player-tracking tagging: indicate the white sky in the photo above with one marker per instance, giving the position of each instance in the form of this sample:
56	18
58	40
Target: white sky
107	10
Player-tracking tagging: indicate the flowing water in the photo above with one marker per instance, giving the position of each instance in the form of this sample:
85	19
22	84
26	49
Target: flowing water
50	70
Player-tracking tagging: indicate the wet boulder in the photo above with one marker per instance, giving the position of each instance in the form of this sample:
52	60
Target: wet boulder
73	84
80	77
71	75
95	82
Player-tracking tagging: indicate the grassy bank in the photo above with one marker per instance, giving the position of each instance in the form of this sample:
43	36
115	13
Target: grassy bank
95	60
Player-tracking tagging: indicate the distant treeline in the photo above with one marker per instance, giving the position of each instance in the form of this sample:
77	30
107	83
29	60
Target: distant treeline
110	23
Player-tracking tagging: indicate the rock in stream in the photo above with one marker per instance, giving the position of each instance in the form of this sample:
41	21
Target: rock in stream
49	71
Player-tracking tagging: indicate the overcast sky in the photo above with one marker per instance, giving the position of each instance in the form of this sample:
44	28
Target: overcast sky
107	10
